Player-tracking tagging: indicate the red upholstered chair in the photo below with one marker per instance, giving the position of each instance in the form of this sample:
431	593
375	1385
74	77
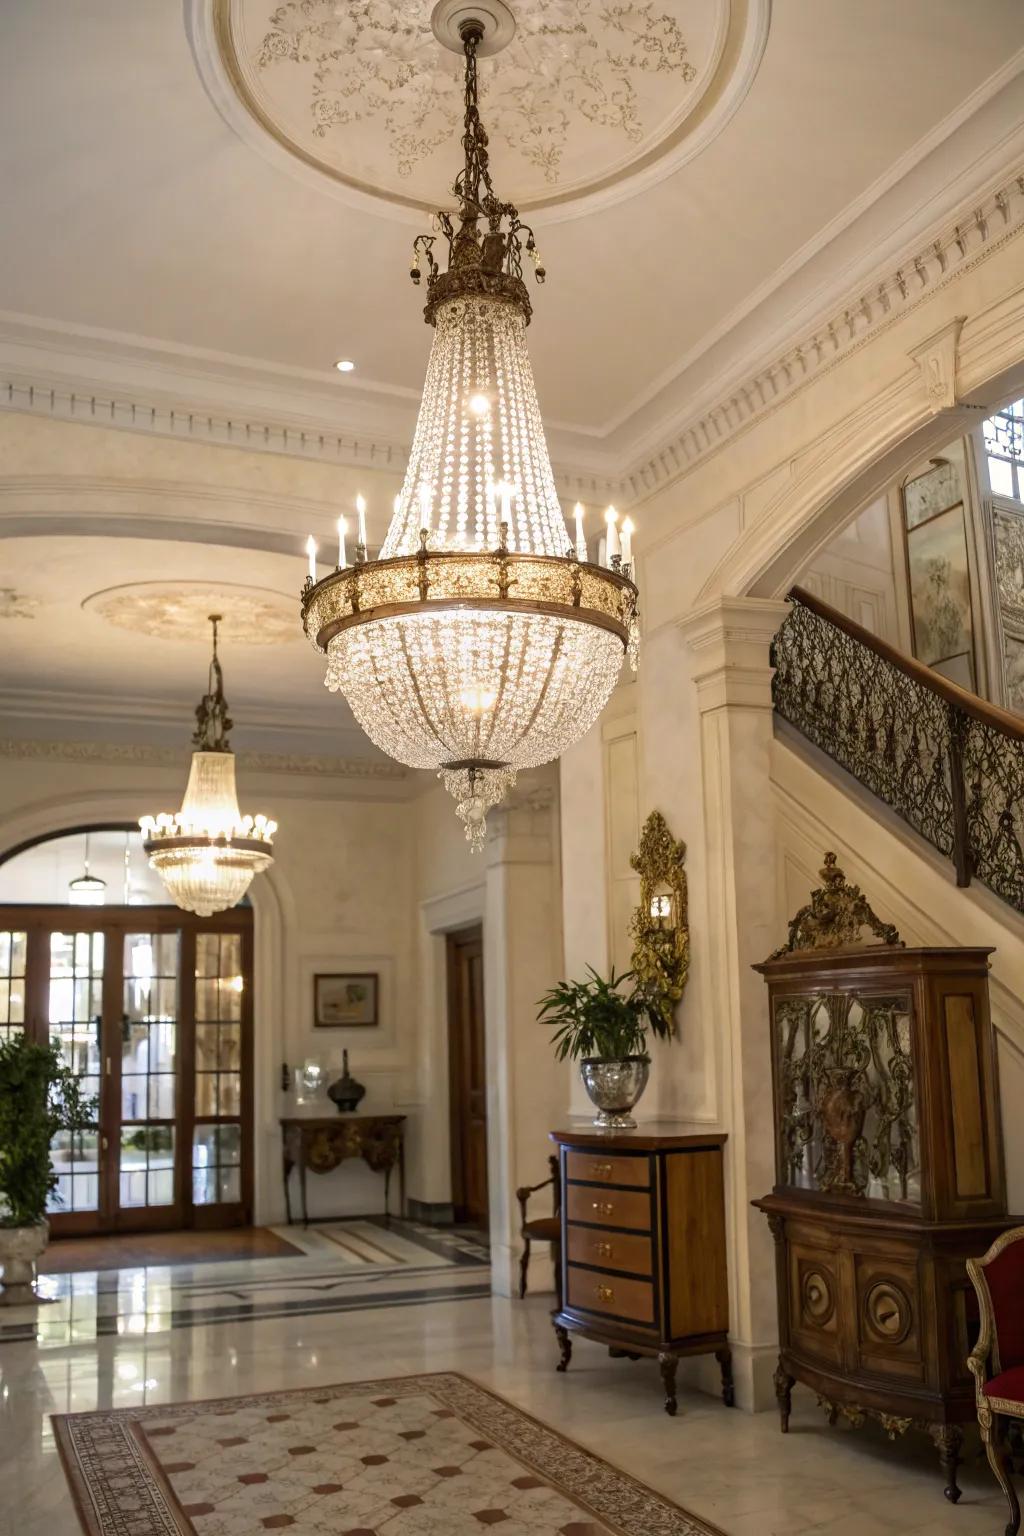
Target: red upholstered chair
997	1360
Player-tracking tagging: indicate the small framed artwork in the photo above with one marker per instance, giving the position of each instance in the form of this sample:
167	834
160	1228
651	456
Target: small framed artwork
345	1001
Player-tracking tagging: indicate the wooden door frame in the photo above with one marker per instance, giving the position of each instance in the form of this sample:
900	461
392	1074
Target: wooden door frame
114	921
457	936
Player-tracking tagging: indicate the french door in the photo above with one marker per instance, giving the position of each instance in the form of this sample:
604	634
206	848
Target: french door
152	1008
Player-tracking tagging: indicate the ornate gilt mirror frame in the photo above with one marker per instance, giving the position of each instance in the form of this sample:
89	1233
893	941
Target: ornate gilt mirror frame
659	925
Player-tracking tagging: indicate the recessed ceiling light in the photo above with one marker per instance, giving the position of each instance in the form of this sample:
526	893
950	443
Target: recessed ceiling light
344	365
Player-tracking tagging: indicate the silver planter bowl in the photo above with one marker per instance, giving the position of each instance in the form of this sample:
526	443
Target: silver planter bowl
614	1086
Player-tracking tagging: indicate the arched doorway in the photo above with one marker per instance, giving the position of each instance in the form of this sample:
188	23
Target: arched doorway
153	1008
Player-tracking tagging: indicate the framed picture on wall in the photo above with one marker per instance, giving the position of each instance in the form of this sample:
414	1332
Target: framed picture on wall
935	533
345	1001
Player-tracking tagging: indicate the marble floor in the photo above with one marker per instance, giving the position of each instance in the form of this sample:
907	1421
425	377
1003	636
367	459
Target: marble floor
733	1469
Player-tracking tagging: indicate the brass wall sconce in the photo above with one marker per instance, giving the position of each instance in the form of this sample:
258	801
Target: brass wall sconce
659	925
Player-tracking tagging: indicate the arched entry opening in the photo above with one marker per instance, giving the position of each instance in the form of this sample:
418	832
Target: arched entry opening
153	1008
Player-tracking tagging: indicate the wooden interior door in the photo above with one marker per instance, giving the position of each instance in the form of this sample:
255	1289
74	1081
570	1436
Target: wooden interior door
467	1060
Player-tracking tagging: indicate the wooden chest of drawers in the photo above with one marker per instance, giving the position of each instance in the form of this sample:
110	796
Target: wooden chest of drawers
643	1248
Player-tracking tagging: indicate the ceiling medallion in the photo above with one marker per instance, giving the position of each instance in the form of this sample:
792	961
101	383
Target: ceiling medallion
173	610
483	640
207	854
589	103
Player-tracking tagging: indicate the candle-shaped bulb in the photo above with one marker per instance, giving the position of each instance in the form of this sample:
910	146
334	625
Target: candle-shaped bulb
611	518
424	507
361	510
626	541
311	552
581	538
342	530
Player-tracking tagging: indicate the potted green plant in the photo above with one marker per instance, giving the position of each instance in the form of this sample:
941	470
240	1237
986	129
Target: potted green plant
39	1096
604	1027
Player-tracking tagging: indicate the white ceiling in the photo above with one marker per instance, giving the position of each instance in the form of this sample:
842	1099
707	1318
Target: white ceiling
84	655
137	209
152	225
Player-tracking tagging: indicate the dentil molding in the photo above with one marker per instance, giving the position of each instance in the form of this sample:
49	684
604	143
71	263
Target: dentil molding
975	233
41	378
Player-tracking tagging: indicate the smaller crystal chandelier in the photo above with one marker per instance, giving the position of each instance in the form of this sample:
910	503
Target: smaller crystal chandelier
87	890
207	854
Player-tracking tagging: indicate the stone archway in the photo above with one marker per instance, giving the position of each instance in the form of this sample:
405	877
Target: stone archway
273	913
853	460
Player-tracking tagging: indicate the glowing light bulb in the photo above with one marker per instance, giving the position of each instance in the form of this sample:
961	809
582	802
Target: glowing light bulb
311	552
477	700
342	530
361	511
479	405
628	530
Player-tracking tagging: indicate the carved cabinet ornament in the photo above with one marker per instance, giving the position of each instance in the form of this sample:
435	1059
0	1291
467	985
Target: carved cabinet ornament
834	916
659	925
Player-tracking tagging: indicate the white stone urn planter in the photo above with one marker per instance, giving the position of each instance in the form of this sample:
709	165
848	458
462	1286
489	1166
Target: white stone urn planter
20	1247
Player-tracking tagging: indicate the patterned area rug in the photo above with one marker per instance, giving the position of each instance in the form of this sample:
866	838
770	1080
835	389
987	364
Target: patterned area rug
416	1456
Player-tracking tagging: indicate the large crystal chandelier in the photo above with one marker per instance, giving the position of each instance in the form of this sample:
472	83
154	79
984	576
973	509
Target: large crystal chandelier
208	853
483	640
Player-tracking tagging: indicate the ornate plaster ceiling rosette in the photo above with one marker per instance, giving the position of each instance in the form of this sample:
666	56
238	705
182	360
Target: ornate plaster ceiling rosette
180	610
591	101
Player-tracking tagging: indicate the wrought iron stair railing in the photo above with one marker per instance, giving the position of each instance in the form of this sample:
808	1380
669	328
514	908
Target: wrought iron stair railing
951	765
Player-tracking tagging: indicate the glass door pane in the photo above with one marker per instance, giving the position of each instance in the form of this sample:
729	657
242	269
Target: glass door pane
217	1135
149	1066
75	1023
13	951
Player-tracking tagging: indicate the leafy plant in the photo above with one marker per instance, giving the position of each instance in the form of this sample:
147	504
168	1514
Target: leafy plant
39	1096
596	1018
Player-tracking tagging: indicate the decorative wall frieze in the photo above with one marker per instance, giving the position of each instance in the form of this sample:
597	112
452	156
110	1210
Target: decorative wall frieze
973	235
137	755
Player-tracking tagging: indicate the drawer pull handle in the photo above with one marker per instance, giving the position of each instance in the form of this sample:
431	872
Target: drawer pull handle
602	1170
604	1250
605	1293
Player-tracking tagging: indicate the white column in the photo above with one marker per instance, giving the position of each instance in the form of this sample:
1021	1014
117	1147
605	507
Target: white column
728	643
522	959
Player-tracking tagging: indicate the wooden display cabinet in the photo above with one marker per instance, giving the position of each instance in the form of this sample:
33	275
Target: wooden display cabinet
889	1173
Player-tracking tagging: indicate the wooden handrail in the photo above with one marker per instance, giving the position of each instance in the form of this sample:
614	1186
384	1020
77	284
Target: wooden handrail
961	698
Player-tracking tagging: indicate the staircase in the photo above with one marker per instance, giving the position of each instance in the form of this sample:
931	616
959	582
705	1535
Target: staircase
918	786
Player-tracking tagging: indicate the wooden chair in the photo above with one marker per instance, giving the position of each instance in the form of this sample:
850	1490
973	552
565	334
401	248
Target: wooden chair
997	1360
545	1229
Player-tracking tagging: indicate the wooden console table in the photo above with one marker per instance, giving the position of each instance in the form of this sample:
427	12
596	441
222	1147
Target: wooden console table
643	1248
321	1145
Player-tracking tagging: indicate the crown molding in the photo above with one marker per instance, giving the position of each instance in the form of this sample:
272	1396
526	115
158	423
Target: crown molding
951	201
135	754
127	721
980	227
106	378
